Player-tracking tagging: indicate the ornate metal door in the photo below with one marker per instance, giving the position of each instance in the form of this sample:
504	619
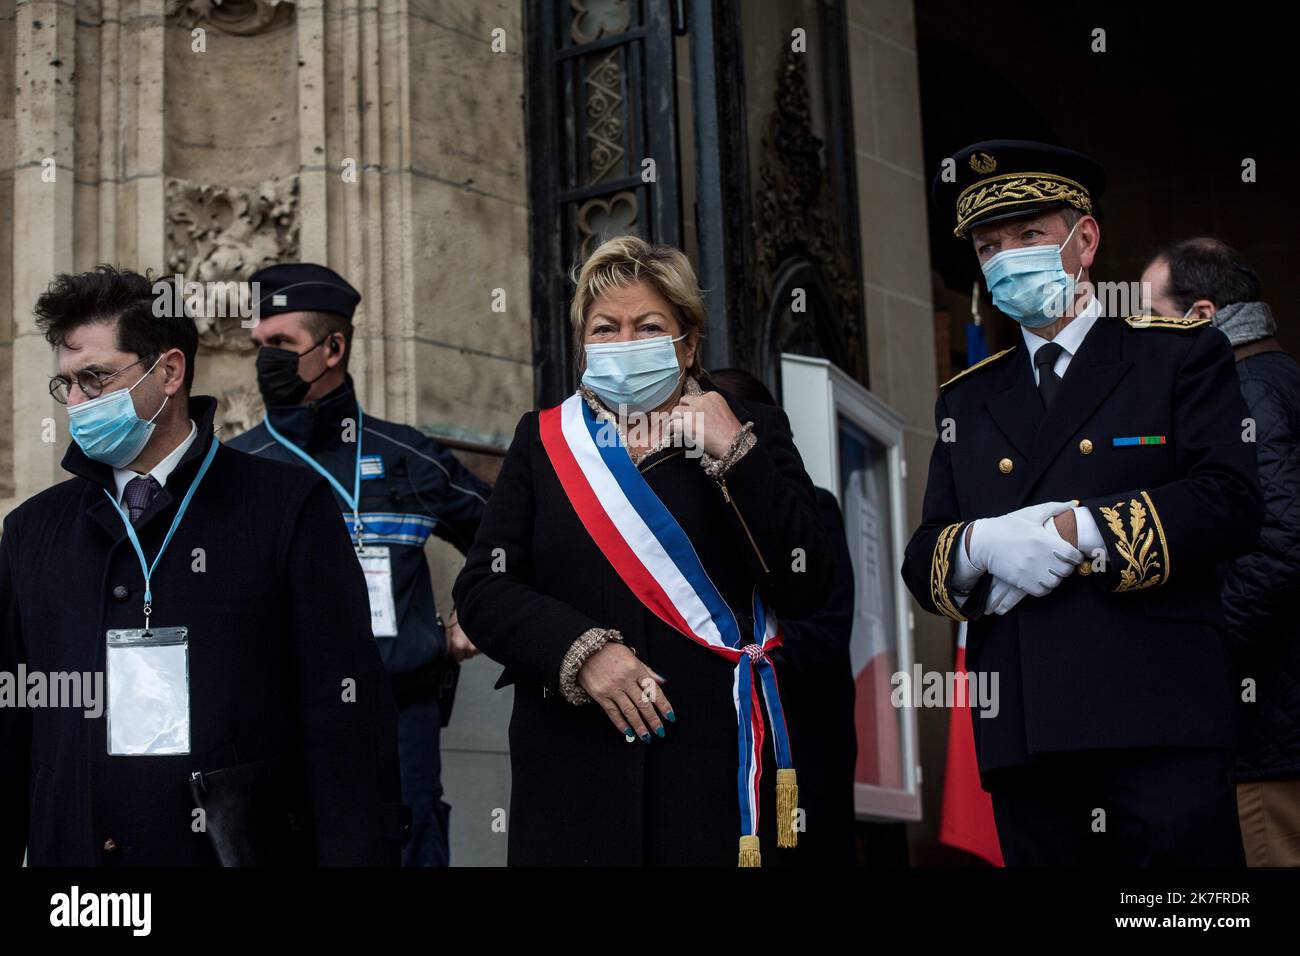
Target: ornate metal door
602	150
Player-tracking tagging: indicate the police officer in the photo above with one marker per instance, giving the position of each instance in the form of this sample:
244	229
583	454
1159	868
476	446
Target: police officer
1084	486
395	486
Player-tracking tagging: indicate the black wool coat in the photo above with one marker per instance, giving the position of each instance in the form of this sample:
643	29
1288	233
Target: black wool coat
535	581
278	620
1134	653
818	691
1260	589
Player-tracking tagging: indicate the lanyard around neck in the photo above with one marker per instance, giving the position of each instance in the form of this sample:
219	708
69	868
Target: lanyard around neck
145	566
352	500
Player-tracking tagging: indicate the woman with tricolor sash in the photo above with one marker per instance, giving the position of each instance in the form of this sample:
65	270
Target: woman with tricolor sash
642	542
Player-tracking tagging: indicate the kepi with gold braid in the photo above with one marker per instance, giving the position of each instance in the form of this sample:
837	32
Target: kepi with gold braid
1003	178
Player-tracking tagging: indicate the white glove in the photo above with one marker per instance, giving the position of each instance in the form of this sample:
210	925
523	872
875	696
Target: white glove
1017	548
1002	597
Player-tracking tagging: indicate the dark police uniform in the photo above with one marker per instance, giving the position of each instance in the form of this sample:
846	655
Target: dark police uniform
1116	688
411	487
275	612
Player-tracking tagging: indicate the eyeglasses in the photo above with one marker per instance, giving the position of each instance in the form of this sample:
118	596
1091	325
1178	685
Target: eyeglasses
91	383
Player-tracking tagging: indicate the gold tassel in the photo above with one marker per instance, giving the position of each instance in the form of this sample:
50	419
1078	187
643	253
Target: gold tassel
749	855
787	805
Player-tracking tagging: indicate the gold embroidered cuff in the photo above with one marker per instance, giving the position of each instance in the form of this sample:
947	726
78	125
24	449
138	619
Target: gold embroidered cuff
588	643
1141	546
939	565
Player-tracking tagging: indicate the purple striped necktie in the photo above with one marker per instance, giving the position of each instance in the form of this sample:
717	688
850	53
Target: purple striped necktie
137	495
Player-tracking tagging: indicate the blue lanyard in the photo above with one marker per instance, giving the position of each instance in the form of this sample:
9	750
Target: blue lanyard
353	500
147	568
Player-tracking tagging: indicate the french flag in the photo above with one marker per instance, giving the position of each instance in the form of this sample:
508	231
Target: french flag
966	821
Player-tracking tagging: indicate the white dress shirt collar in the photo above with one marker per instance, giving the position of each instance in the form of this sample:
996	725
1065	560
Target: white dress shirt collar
1069	338
160	471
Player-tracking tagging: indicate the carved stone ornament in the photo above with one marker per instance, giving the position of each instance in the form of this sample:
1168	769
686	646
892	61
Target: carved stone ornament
224	233
794	213
238	409
240	17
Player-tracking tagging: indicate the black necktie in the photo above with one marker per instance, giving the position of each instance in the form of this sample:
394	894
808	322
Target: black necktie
137	494
1048	380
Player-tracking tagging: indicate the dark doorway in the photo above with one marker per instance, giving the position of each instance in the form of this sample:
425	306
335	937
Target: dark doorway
1172	107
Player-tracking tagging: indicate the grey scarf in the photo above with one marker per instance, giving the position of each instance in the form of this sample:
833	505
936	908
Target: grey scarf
1244	322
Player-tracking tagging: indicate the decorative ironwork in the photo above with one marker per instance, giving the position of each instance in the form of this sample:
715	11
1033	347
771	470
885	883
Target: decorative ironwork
601	18
604	132
796	216
601	219
601	91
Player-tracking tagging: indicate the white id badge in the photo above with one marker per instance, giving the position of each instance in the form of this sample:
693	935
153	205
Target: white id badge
378	566
148	692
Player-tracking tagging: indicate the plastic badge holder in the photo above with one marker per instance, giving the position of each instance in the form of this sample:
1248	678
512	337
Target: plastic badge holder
377	564
148	692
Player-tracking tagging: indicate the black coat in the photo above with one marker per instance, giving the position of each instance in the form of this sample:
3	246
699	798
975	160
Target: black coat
1135	655
1262	589
818	691
580	793
278	621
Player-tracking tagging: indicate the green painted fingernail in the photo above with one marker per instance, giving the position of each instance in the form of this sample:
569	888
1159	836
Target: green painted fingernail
645	737
672	717
659	731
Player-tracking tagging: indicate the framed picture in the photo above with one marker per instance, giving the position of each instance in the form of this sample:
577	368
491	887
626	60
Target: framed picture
851	444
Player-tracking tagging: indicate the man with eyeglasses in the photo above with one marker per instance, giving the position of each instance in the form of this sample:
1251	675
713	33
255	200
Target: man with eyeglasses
239	717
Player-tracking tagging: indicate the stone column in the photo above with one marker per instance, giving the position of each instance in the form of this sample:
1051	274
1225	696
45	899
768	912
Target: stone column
44	121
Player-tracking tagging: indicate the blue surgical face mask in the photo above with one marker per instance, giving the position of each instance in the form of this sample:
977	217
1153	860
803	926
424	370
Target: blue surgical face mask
639	375
107	428
1030	284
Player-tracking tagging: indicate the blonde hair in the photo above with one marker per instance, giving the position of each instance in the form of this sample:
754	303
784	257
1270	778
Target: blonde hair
620	262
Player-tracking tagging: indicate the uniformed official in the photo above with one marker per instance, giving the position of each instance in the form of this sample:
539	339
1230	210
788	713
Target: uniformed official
1084	486
395	486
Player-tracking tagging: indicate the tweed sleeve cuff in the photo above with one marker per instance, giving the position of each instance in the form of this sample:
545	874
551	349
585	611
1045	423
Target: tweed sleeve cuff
588	643
740	445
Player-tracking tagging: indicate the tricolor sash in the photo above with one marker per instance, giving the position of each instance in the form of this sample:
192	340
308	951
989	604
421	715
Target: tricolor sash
652	554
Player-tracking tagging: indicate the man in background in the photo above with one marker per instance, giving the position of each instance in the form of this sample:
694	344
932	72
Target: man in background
1205	277
394	486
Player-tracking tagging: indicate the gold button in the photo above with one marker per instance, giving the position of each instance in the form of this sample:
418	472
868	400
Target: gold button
1005	466
1085	567
1085	446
